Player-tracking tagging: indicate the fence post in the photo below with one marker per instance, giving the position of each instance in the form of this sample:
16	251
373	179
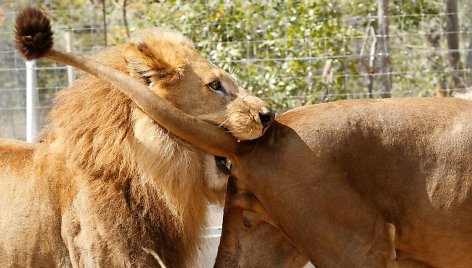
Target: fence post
70	69
31	102
384	49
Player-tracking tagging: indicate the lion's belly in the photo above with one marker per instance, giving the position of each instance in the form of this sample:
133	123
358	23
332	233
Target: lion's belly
435	224
437	242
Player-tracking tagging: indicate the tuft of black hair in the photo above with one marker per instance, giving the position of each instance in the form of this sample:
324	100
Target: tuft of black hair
33	34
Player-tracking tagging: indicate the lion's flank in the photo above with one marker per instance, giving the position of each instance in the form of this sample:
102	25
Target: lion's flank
33	34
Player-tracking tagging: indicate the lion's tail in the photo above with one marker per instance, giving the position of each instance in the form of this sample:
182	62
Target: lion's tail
33	34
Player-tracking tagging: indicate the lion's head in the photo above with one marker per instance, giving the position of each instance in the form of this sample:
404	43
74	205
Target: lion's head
193	84
168	63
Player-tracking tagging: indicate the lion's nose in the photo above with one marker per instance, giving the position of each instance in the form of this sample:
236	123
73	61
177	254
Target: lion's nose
266	115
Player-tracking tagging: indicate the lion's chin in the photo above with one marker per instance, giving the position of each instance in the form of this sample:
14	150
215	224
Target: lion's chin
242	126
245	126
247	135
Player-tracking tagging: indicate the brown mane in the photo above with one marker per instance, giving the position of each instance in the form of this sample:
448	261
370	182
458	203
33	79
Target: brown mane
107	185
98	140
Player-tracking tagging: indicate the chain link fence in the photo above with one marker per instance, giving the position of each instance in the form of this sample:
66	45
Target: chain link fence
289	53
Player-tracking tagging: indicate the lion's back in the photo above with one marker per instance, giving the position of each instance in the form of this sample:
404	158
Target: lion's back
15	162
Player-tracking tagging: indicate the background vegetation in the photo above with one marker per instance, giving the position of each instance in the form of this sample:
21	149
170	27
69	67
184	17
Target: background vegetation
290	53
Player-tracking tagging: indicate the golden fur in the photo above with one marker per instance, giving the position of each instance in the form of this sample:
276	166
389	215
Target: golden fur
249	239
106	184
359	183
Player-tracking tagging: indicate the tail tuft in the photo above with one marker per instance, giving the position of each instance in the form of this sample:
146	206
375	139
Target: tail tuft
33	34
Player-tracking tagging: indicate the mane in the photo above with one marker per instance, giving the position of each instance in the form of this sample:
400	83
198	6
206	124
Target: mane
146	184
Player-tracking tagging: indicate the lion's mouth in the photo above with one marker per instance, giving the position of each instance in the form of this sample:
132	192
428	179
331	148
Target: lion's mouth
223	164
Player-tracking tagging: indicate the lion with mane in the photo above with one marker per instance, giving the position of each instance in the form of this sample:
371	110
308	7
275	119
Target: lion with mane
106	184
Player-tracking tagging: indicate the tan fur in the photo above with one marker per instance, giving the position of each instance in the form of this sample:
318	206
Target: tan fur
360	183
106	184
248	240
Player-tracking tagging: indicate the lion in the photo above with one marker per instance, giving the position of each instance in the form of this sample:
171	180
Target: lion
106	185
359	183
355	183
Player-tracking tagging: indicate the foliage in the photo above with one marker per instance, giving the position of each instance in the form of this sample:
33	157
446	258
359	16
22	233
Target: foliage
280	50
273	46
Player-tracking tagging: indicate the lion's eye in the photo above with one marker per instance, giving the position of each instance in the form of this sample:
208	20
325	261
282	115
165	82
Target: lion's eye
217	86
145	76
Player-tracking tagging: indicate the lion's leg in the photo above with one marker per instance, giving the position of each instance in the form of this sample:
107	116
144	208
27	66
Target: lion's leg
405	261
253	212
412	263
331	223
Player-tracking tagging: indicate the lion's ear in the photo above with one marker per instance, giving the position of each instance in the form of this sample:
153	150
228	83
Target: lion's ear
145	65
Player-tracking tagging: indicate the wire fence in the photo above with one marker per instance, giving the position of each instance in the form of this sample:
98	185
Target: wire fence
288	55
